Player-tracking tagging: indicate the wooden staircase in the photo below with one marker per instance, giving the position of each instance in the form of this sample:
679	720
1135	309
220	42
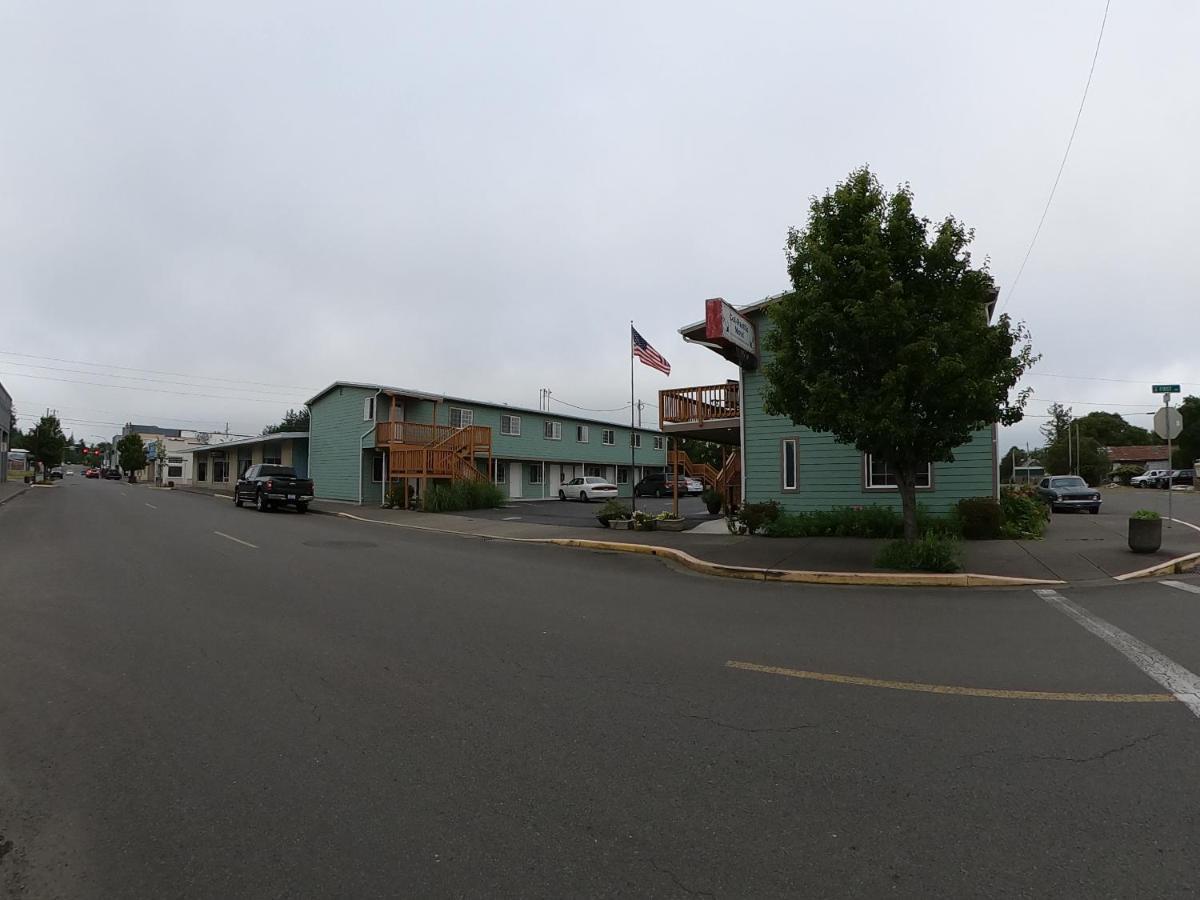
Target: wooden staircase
727	480
417	450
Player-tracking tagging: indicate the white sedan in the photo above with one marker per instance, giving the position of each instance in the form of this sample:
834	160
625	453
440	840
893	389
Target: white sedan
588	488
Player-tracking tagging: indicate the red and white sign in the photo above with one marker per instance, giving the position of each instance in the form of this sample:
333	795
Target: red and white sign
724	325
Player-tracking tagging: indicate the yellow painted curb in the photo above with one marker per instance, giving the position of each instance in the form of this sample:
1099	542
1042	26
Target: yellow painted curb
1176	566
721	570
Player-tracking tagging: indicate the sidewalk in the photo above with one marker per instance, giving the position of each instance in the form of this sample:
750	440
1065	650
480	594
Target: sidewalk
10	489
1077	548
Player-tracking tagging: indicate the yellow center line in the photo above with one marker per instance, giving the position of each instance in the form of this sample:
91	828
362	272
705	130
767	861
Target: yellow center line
958	690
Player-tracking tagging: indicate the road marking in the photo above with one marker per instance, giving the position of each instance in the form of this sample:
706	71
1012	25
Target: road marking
510	518
924	688
1183	586
230	537
1184	684
152	506
1188	524
124	493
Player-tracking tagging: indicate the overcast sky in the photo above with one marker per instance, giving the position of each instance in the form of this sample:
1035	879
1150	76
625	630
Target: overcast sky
476	198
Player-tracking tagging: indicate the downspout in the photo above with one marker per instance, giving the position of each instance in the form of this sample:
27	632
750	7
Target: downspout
374	416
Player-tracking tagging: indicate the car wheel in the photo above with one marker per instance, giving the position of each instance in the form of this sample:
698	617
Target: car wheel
237	498
562	495
301	507
659	493
583	497
261	501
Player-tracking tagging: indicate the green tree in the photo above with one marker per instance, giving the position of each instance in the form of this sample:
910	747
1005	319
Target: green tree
46	442
885	340
293	420
1013	453
131	453
1187	445
1087	460
701	451
1056	426
1112	430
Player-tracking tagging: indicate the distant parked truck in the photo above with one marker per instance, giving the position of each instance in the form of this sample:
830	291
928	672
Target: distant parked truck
268	486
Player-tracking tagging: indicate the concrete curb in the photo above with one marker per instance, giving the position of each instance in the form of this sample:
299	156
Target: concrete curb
14	495
748	573
1176	566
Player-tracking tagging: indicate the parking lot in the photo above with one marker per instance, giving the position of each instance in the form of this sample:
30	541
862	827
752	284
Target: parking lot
572	512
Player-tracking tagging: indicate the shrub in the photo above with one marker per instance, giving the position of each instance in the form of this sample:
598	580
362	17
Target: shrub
613	509
461	494
857	521
931	553
712	501
1022	513
1145	514
756	516
1122	474
395	496
980	518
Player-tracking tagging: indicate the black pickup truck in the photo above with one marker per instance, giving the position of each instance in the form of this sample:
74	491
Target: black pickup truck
268	486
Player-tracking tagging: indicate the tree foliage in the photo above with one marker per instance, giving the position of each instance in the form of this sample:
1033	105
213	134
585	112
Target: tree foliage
1187	445
1056	426
131	453
1088	459
1112	430
46	442
699	451
293	420
884	341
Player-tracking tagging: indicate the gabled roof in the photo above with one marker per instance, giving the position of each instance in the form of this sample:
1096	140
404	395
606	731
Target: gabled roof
1137	452
257	439
408	392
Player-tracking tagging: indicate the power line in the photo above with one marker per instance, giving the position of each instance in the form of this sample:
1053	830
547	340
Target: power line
1063	164
129	387
1094	378
145	417
588	408
135	378
81	362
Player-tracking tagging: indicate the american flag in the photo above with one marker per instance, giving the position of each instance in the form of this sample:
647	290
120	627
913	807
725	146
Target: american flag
648	354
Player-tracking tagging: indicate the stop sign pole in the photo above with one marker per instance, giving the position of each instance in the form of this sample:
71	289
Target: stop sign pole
1168	426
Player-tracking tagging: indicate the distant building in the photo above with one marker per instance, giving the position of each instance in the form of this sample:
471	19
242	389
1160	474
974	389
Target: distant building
6	424
1148	456
217	465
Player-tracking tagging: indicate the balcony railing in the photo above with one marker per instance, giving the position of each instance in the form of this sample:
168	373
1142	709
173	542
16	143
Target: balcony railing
416	434
699	404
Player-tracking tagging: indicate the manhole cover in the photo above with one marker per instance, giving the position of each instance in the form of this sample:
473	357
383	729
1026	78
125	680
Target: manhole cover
339	545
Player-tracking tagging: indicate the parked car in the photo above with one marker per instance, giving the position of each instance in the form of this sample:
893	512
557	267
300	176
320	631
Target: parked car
588	488
1184	476
111	474
1175	476
1069	492
695	487
1147	477
56	472
661	484
268	486
91	473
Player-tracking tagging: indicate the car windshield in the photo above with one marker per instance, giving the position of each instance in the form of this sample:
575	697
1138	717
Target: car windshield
1070	482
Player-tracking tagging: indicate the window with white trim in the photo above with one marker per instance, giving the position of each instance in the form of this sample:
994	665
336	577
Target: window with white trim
658	442
622	474
879	477
376	469
789	453
535	473
608	437
593	471
273	455
174	471
461	418
510	425
635	440
581	434
501	471
369	408
552	431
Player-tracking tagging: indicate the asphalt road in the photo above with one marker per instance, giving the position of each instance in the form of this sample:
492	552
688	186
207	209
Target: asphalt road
201	701
577	514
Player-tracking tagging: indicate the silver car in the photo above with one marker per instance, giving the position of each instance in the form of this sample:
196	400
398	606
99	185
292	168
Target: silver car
589	488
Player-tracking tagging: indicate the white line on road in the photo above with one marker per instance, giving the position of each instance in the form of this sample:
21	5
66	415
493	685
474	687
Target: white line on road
510	518
152	506
1183	586
1184	684
230	537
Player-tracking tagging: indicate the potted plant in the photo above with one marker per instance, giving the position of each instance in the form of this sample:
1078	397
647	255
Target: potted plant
712	501
1145	531
610	511
664	521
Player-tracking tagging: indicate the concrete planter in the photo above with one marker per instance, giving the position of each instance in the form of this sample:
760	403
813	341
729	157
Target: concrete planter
1145	535
670	524
620	524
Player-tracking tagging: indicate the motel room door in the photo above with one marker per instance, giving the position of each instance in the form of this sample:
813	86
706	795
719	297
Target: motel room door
516	476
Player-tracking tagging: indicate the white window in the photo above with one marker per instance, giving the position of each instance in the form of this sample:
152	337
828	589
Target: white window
592	471
510	425
551	431
636	440
880	478
658	442
369	409
622	474
461	418
501	471
535	472
608	437
376	469
581	434
790	462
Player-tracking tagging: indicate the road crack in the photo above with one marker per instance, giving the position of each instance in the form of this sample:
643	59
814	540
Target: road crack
695	892
1105	754
781	730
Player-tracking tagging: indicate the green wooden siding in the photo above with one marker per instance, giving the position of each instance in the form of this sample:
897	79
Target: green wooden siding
335	440
831	474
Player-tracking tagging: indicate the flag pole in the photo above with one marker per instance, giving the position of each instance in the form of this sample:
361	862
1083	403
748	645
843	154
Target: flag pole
632	458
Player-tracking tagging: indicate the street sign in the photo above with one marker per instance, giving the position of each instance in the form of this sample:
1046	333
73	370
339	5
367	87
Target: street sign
1165	388
1168	423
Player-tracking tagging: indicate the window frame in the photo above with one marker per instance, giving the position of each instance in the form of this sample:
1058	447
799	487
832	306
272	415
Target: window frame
658	442
583	434
466	417
635	440
512	421
868	486
794	444
608	437
535	473
377	462
623	475
369	408
551	430
499	472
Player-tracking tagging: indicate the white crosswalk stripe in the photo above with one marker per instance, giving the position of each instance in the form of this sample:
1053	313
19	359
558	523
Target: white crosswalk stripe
1183	586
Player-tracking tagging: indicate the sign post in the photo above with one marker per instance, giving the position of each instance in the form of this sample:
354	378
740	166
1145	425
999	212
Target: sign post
1168	423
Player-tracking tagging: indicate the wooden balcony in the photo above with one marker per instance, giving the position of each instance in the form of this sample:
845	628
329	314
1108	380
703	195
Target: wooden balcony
413	434
711	411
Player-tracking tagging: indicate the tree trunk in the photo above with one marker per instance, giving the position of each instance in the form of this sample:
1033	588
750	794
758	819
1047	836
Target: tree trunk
906	484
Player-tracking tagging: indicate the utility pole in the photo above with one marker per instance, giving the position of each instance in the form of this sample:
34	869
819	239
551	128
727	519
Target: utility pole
640	404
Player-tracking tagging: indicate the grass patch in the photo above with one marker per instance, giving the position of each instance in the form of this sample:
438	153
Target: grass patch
931	553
